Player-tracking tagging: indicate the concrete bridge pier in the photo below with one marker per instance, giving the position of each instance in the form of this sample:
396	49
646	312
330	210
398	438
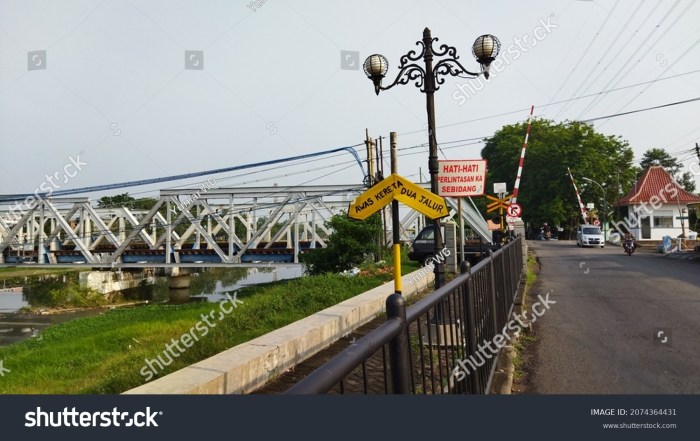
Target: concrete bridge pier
179	277
179	285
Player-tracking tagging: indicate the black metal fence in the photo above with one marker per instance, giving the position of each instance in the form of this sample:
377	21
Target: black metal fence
447	342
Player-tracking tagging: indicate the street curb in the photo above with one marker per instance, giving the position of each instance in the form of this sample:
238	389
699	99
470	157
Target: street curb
683	256
503	377
505	364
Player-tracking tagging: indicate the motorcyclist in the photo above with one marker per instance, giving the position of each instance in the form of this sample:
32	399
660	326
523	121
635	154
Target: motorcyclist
629	236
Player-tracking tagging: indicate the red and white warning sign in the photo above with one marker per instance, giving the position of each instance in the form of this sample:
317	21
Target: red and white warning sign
460	178
514	210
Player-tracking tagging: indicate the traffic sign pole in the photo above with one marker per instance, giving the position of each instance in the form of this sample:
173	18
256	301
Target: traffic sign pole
461	229
396	233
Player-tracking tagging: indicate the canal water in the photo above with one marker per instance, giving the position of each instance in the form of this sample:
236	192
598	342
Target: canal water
211	285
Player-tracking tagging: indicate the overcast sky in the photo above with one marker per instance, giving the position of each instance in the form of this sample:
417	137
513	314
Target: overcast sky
107	80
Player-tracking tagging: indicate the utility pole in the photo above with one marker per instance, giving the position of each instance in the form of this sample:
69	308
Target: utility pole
380	176
369	144
379	159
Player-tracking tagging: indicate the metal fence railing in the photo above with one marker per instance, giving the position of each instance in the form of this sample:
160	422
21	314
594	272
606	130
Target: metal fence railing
448	342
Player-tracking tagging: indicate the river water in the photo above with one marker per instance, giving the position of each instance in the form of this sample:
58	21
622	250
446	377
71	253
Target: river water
211	285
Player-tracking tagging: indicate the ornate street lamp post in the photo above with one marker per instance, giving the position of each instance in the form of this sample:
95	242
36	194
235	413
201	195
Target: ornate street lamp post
429	78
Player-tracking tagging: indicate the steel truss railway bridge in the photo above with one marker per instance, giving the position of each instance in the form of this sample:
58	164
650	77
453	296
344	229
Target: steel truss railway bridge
187	228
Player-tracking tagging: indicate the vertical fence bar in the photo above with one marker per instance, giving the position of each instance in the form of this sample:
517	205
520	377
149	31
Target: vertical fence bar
421	349
430	351
365	379
494	304
384	368
398	346
470	317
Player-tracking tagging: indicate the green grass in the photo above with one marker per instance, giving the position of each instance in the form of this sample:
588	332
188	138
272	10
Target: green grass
15	275
530	273
105	353
525	339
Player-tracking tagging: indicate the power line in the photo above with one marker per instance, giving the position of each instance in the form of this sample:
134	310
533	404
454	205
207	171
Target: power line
605	53
640	110
627	67
585	52
665	70
557	102
350	149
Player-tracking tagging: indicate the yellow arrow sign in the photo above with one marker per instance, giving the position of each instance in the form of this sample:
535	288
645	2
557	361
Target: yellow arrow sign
373	199
401	189
420	199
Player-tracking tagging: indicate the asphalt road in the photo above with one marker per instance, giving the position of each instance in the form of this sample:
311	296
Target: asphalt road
601	335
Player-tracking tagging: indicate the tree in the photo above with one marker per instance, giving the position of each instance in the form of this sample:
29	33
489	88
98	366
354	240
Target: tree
349	244
120	200
673	166
546	192
124	200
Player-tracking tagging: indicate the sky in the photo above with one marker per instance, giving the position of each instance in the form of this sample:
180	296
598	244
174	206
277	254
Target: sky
138	89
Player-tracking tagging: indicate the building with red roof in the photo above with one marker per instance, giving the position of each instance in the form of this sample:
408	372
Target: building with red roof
655	205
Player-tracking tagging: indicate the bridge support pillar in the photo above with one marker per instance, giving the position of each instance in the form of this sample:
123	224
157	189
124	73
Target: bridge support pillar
180	277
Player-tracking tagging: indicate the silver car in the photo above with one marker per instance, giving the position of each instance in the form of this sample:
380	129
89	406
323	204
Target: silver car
589	236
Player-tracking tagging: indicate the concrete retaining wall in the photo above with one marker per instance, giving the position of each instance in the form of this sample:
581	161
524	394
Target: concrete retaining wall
106	282
248	366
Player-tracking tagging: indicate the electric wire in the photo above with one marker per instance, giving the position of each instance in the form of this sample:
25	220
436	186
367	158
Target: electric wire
600	61
617	78
640	110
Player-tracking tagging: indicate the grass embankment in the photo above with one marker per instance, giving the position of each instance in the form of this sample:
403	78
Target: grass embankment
531	272
105	353
526	338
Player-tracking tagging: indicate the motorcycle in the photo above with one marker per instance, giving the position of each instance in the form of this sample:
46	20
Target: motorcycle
545	233
629	246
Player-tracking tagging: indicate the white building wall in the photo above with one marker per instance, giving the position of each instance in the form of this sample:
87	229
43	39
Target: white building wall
662	226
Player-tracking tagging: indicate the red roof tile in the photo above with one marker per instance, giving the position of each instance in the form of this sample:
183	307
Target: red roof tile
657	182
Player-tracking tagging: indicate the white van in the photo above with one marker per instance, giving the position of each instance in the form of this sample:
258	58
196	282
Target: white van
589	236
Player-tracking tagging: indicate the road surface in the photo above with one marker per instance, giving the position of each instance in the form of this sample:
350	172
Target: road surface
621	325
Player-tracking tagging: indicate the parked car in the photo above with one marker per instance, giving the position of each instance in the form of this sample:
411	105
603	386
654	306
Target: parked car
589	236
423	247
